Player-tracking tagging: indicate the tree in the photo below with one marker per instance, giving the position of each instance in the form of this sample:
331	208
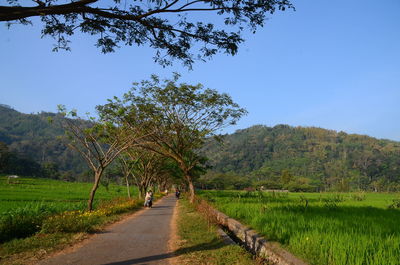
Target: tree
180	118
145	167
126	167
164	25
98	144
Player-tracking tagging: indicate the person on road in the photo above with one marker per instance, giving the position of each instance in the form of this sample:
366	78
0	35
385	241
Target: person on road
148	200
177	193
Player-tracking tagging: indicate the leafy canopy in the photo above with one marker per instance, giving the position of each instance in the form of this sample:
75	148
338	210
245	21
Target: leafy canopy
178	117
171	27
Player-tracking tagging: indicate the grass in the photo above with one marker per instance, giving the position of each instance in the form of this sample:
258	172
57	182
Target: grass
54	194
38	216
64	229
352	228
27	203
200	243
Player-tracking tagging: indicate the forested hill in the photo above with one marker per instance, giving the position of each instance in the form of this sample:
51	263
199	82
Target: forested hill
318	158
304	158
31	145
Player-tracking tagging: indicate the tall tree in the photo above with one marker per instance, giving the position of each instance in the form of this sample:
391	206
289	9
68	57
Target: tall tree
171	27
99	144
181	117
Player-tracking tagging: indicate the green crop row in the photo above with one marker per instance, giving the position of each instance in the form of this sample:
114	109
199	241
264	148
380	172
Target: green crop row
342	228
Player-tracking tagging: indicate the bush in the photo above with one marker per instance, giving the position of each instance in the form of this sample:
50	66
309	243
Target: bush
297	187
76	221
83	221
18	225
395	204
22	222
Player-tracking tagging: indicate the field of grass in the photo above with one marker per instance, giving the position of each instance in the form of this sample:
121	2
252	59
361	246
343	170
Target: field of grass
26	202
53	194
326	228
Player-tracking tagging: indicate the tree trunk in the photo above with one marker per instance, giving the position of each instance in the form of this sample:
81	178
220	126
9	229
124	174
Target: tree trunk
127	186
142	191
191	188
97	176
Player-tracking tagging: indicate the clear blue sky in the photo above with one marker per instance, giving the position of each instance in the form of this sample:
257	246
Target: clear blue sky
330	64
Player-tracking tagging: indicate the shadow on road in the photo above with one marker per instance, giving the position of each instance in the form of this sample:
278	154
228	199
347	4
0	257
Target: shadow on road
214	244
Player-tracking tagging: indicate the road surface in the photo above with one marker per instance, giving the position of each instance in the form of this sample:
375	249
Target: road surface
140	239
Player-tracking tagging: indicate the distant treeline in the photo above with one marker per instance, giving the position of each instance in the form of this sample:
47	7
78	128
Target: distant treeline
30	146
301	158
280	157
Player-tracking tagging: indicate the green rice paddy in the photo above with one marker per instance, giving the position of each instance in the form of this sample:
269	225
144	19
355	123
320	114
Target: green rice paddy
26	202
321	228
55	195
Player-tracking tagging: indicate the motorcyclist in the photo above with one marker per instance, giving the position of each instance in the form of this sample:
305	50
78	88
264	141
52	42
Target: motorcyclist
148	200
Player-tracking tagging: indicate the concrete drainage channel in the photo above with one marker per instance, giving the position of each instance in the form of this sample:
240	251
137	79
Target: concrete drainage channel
241	234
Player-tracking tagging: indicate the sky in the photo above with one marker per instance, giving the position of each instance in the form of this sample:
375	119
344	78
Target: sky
329	64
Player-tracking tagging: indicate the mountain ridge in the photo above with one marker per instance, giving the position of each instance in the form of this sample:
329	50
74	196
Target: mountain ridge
324	159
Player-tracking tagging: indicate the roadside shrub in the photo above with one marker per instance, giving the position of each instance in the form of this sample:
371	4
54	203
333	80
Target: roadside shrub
18	225
118	206
395	204
75	221
83	221
22	222
26	221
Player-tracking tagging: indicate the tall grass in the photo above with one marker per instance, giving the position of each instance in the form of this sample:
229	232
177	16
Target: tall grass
321	228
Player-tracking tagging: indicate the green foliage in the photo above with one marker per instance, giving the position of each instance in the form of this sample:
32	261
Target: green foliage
70	222
359	196
221	181
44	154
19	223
395	204
175	119
166	26
307	159
322	228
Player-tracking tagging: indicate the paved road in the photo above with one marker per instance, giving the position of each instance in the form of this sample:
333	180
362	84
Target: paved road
141	239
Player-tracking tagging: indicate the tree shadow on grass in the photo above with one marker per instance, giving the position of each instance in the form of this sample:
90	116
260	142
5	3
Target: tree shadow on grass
213	244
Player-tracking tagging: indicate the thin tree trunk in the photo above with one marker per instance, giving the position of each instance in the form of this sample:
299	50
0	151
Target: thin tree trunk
97	176
191	188
142	191
127	186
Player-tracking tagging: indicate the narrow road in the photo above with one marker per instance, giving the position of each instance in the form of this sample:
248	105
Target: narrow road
140	239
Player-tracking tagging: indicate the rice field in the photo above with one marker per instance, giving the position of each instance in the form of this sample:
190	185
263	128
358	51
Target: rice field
25	203
321	228
52	194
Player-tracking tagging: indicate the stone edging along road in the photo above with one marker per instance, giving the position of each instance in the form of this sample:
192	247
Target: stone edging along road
271	251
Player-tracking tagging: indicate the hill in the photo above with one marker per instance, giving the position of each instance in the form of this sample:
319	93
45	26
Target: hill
32	139
308	157
296	158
